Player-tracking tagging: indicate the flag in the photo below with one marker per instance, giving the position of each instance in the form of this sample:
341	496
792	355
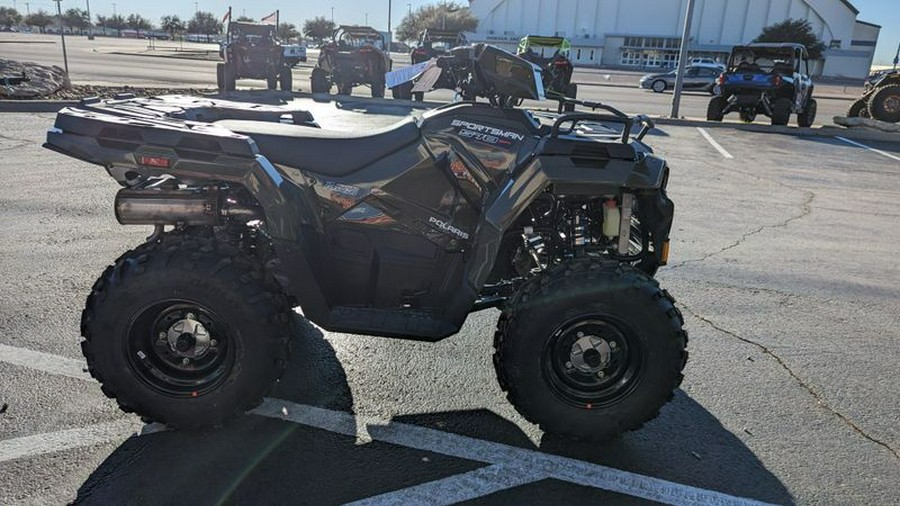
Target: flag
271	19
227	17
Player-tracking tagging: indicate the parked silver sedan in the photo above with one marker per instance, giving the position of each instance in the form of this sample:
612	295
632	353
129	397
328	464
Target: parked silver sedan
699	78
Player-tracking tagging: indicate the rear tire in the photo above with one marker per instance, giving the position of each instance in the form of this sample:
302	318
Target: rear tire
230	79
571	92
590	349
186	331
377	90
344	89
858	109
781	112
714	109
286	79
318	81
403	91
884	104
806	118
272	82
220	76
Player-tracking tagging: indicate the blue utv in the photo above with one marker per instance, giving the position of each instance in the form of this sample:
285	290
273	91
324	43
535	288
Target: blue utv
765	78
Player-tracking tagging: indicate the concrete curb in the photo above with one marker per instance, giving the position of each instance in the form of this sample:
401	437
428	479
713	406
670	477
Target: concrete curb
861	134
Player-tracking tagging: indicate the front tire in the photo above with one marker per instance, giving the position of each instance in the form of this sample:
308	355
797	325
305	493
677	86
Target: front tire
186	331
781	112
715	108
318	81
658	86
858	109
884	105
590	349
806	118
286	79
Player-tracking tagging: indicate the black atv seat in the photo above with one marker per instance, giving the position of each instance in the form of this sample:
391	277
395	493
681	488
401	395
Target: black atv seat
327	152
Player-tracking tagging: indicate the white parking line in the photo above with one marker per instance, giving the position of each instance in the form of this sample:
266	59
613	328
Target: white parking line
53	364
456	488
533	465
714	144
858	144
40	444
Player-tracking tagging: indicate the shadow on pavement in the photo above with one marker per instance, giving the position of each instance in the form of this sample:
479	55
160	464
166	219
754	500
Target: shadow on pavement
259	460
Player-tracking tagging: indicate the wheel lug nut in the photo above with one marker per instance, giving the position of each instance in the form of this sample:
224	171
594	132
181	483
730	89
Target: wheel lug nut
612	344
580	334
185	361
569	365
213	343
162	335
189	316
601	374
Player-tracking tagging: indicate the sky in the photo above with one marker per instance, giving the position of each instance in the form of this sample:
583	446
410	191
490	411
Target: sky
882	12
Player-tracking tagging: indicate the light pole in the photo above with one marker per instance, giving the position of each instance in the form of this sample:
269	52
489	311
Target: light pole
332	15
28	8
114	9
682	57
62	36
390	34
88	5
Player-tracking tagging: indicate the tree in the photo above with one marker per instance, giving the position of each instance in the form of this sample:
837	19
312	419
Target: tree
172	25
116	22
245	19
138	22
40	19
445	15
287	31
204	23
797	31
76	19
318	28
9	17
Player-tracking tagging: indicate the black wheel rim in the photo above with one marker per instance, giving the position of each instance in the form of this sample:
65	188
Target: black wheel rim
608	369
179	348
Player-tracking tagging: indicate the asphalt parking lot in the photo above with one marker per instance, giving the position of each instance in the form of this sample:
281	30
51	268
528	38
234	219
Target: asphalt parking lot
783	261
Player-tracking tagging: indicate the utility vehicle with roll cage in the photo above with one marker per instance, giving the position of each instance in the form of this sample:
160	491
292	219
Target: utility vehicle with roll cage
356	55
253	51
432	43
765	78
880	99
556	69
560	221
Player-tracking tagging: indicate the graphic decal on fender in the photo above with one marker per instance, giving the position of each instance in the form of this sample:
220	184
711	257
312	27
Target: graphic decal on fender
487	134
446	227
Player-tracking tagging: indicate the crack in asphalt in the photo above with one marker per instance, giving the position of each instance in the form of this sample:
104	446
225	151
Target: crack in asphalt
818	397
805	210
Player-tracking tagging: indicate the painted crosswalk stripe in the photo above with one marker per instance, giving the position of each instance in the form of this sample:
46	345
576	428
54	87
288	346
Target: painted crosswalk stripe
714	144
861	145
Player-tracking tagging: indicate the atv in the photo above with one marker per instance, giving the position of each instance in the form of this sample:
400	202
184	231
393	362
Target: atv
252	51
765	78
432	43
555	69
557	220
355	56
881	98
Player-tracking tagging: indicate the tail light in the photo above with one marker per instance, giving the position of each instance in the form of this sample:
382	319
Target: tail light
776	80
721	79
154	161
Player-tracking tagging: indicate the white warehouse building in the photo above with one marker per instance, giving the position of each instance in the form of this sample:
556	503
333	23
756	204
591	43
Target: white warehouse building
644	34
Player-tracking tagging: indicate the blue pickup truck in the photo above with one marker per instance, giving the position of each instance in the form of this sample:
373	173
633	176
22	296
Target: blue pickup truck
765	78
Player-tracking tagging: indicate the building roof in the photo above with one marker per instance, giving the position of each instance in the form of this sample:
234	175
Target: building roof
867	23
850	6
